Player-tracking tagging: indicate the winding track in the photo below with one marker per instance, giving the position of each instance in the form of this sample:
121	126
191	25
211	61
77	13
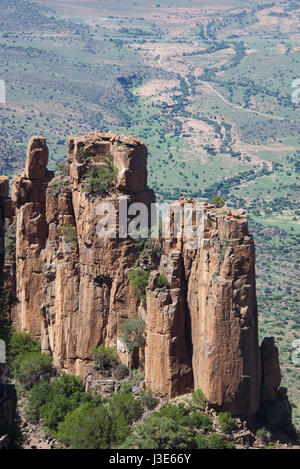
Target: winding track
235	106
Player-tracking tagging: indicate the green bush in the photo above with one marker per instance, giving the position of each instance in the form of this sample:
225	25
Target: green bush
215	441
55	411
61	182
216	199
123	410
22	343
148	247
87	427
133	333
162	281
83	156
159	432
55	186
138	281
10	241
178	413
111	423
37	397
181	414
201	441
199	398
69	233
28	369
139	244
264	435
52	401
198	420
134	380
62	169
148	400
120	371
7	300
106	358
124	405
97	427
97	180
226	422
126	388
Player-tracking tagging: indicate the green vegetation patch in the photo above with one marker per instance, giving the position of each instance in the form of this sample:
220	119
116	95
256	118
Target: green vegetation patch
138	281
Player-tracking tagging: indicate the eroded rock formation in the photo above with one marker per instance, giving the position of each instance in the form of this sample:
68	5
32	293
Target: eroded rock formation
168	364
219	298
73	288
75	294
271	369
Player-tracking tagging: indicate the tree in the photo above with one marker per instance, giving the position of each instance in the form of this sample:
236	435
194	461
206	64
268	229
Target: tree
138	281
106	358
31	367
216	199
22	343
199	398
215	441
160	433
97	427
87	427
133	333
52	401
162	281
226	422
148	400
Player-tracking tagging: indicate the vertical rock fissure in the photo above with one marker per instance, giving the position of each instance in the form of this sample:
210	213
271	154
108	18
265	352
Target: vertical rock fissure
188	330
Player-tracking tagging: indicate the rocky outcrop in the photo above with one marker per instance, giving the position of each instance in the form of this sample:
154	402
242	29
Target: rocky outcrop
6	209
74	293
8	404
222	302
29	198
271	376
37	158
218	284
168	365
275	409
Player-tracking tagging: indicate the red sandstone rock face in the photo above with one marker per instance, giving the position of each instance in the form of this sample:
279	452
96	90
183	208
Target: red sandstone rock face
271	369
37	158
128	154
226	358
201	330
221	304
75	295
168	366
29	205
